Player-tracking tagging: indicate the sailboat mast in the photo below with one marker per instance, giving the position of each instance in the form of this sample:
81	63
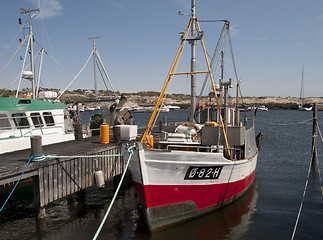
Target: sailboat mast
301	95
193	63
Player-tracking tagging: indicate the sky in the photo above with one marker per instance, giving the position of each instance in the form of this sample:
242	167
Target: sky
272	41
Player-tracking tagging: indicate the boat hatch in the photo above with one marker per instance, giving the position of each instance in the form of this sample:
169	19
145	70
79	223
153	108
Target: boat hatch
24	101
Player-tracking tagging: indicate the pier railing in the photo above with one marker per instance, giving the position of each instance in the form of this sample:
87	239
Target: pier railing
66	176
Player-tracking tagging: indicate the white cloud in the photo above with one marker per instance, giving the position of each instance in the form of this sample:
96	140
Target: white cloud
48	8
234	31
261	38
117	5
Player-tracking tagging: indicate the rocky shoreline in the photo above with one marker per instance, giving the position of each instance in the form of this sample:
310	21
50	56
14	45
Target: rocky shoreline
183	101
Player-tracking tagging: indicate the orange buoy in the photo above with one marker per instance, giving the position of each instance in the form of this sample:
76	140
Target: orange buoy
151	142
104	133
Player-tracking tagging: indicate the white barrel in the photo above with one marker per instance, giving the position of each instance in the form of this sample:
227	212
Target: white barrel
99	178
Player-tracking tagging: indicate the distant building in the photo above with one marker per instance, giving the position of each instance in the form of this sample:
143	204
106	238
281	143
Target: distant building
50	95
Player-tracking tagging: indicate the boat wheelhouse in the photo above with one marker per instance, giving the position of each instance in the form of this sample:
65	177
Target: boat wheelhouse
22	118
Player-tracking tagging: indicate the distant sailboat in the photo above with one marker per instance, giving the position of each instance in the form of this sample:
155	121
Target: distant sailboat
303	106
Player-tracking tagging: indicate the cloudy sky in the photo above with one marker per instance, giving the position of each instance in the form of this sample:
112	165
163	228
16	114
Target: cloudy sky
271	40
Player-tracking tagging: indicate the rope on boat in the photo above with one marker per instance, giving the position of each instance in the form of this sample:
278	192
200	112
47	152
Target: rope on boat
30	158
131	152
304	193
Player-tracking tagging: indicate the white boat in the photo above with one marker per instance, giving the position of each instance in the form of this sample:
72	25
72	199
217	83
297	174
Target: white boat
262	108
171	107
22	118
198	166
305	107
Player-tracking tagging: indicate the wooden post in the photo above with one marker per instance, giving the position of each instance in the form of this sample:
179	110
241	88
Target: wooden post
314	134
40	211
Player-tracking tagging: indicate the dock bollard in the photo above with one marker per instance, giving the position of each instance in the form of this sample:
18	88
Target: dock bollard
78	131
104	133
36	148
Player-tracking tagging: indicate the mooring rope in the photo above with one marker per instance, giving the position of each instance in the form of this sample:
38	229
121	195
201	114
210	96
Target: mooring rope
304	193
88	156
131	152
38	158
30	158
43	157
285	124
317	161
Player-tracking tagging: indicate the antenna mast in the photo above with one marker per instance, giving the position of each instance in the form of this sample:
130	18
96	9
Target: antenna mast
193	63
31	48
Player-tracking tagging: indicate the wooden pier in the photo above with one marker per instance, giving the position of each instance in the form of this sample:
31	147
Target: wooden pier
58	177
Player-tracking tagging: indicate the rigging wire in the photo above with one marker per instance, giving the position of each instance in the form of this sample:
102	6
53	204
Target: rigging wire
76	75
10	43
105	72
234	66
13	55
102	76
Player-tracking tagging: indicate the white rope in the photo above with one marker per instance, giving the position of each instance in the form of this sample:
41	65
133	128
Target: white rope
105	72
317	161
304	193
13	55
131	152
76	76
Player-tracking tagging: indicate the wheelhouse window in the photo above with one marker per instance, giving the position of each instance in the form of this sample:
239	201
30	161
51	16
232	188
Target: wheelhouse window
20	120
4	122
37	120
49	120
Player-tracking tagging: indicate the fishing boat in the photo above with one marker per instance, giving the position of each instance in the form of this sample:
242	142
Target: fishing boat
303	106
22	117
194	167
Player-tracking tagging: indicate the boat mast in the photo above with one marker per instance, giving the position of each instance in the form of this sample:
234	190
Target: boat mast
31	49
94	63
193	63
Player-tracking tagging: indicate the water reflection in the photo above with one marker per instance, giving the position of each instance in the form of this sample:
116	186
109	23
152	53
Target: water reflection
227	223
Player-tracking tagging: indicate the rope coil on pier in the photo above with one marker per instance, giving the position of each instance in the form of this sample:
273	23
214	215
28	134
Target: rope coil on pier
37	158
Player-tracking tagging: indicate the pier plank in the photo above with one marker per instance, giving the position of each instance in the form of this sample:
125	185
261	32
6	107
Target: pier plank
58	177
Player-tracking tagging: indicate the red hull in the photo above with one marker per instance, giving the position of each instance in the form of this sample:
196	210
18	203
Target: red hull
202	195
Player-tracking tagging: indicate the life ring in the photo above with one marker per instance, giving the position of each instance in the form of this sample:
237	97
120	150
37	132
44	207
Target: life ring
194	137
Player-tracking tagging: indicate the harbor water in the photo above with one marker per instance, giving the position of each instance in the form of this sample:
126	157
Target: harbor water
267	211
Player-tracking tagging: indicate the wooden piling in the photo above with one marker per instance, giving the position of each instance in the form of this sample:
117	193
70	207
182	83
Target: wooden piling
40	211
